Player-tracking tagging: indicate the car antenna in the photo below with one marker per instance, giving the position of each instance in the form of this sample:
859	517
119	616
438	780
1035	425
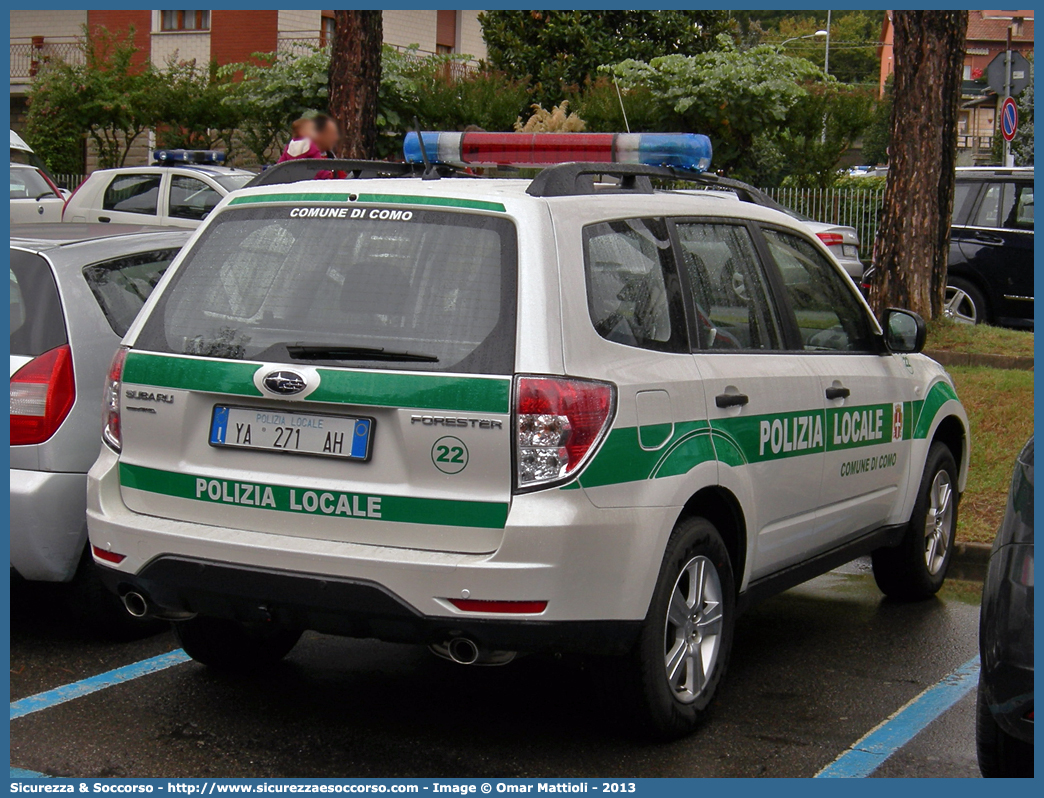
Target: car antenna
429	172
619	96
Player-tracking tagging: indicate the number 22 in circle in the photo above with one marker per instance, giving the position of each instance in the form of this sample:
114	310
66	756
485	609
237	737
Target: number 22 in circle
449	455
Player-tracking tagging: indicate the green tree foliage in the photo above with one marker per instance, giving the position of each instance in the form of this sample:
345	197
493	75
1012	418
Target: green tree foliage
733	96
878	133
854	37
53	125
599	105
1022	145
109	96
820	127
274	91
442	92
554	49
193	101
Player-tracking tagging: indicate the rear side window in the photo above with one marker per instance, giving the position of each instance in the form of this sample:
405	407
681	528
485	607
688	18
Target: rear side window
133	193
1008	205
37	321
732	307
121	286
829	316
389	288
632	287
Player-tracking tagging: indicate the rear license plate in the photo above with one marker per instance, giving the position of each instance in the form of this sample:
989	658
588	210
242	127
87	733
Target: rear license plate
299	433
850	251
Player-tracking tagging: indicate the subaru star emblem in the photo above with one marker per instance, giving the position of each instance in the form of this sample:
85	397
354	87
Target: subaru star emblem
285	382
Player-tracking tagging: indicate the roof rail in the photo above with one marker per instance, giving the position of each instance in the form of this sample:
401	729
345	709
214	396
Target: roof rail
306	169
574	179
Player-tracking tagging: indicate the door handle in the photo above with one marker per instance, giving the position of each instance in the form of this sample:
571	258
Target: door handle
988	238
731	399
835	392
104	219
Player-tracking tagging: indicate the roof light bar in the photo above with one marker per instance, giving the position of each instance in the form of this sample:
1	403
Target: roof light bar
689	151
164	157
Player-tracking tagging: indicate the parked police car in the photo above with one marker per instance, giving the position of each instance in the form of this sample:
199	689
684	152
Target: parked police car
178	190
500	416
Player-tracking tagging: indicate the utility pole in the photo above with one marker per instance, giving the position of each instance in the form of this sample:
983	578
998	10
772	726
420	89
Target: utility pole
826	55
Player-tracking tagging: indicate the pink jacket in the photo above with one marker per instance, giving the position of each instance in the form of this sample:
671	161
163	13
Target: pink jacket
300	149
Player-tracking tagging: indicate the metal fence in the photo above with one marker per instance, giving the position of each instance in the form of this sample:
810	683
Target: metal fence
70	182
854	207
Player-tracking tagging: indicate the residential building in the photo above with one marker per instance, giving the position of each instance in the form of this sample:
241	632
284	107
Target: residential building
225	36
987	38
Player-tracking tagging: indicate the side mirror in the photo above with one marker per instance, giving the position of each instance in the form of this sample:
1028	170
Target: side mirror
904	331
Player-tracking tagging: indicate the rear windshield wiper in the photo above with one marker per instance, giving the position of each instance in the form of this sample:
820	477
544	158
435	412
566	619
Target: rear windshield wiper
341	352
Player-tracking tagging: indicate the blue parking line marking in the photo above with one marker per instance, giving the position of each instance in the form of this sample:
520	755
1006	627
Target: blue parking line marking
67	692
19	773
868	753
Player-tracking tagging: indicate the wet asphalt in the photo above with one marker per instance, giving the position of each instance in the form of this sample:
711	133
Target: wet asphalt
812	671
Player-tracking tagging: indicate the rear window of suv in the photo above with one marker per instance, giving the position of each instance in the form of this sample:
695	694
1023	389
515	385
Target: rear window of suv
416	290
121	286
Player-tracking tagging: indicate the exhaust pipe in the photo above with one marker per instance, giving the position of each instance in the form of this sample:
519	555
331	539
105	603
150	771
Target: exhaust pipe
136	604
463	651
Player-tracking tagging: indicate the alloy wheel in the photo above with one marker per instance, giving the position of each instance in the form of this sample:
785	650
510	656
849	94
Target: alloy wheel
938	525
692	638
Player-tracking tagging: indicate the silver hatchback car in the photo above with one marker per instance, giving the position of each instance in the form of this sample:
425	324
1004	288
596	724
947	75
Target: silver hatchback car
74	290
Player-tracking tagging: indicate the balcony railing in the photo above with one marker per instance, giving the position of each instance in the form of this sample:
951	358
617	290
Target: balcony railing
28	58
298	45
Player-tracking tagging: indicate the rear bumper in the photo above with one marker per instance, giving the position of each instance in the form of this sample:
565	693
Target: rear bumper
48	528
593	566
353	608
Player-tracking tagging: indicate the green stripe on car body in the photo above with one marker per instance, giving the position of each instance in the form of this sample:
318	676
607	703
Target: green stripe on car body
753	439
938	395
386	199
478	394
315	501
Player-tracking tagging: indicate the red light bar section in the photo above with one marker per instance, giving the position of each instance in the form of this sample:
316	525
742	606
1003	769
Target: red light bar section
506	607
537	148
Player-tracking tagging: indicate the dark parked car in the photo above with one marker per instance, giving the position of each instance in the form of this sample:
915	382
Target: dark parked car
1004	711
991	248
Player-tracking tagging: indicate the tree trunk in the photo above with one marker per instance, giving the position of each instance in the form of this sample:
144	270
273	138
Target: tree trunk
355	77
913	235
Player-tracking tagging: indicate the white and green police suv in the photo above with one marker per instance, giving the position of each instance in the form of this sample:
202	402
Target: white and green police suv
498	416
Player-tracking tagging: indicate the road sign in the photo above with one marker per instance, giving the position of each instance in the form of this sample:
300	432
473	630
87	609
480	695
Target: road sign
1009	119
1020	73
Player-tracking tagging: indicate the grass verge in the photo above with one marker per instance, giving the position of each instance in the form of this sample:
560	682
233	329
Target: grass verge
981	339
999	404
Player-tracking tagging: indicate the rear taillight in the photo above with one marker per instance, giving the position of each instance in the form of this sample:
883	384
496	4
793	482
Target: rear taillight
42	394
831	239
559	424
111	432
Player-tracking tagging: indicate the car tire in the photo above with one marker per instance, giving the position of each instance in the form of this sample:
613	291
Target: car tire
232	646
102	611
1000	755
916	568
688	629
964	303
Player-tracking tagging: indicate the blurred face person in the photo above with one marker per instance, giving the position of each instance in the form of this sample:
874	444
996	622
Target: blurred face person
326	133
